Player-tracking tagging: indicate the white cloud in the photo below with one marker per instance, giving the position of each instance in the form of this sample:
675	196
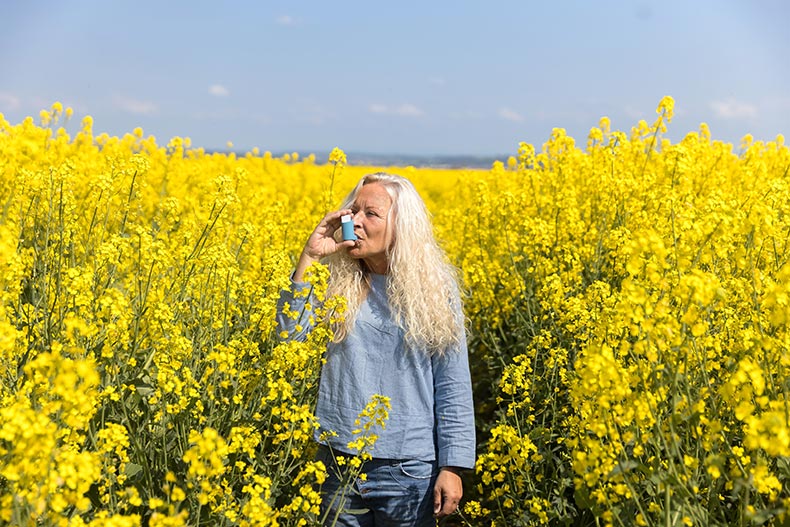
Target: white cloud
510	115
437	81
732	109
402	110
285	20
218	90
129	105
9	102
408	110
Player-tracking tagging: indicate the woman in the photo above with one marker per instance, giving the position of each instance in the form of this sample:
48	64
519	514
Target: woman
403	337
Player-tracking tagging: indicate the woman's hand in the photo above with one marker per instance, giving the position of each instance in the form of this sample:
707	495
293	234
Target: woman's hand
447	492
321	243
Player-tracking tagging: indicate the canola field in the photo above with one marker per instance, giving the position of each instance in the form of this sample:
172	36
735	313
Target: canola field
628	302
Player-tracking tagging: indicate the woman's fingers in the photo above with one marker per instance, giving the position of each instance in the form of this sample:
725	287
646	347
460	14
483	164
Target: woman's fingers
333	218
322	241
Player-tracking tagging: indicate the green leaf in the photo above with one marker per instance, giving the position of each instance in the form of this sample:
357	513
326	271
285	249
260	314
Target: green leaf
132	469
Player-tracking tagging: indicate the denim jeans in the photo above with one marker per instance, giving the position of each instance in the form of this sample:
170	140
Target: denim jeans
393	493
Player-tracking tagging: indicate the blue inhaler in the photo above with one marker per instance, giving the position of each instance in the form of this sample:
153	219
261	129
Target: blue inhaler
348	227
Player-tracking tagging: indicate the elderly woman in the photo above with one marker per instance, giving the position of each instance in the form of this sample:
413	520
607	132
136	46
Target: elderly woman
403	337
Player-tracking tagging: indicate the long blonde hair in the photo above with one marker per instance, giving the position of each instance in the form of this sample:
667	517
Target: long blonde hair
422	286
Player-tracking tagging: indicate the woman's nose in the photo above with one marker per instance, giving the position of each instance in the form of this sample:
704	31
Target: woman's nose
357	218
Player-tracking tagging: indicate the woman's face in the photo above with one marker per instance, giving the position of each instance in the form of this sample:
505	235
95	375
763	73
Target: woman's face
371	217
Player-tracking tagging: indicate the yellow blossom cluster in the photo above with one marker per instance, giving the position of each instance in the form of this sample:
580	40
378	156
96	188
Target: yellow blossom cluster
141	380
641	291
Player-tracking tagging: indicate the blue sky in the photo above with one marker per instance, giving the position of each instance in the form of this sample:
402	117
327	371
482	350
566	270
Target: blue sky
408	77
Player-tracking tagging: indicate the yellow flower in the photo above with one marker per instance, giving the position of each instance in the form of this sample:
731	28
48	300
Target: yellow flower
337	157
666	107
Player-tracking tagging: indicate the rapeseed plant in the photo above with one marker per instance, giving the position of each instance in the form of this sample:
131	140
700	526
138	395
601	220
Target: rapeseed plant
628	306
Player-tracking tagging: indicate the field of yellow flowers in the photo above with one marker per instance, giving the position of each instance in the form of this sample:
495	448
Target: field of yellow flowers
628	304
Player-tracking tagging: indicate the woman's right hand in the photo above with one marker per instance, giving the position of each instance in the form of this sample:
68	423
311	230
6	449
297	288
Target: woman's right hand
322	243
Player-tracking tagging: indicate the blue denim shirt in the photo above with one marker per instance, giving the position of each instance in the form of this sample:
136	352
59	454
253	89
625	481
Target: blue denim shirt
432	415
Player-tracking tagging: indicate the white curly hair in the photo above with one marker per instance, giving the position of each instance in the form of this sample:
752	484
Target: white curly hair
422	286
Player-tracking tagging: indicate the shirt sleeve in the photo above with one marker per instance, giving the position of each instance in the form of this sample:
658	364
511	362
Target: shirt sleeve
454	408
295	317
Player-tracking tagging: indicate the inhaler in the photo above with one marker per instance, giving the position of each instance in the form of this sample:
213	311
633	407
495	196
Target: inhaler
348	227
